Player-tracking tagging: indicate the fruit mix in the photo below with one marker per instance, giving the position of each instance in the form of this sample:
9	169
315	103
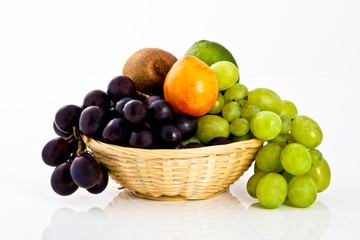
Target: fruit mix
163	102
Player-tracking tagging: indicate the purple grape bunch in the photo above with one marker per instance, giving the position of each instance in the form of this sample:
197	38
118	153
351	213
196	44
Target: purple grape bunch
120	116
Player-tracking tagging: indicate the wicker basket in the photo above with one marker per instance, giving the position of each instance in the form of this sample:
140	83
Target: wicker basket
172	174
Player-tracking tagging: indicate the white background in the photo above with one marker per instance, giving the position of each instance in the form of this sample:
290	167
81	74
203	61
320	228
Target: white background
53	52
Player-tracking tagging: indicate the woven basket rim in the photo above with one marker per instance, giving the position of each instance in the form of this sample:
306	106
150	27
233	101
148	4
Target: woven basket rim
169	174
204	149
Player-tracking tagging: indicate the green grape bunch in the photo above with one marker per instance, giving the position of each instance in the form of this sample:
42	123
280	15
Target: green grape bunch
290	152
289	165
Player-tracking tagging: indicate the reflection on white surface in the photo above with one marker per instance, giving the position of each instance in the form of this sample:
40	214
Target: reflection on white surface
222	217
68	224
288	222
217	218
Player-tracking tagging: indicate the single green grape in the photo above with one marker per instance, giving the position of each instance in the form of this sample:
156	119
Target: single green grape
226	73
295	159
218	105
286	123
246	137
279	139
268	158
306	131
289	109
236	93
302	191
252	183
266	99
231	111
265	125
248	111
316	156
271	190
190	140
239	127
321	175
211	126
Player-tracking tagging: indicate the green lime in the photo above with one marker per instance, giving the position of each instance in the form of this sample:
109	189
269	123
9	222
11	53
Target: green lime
210	52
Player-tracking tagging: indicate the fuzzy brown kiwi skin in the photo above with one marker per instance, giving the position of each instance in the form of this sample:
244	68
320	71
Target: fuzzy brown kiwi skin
147	68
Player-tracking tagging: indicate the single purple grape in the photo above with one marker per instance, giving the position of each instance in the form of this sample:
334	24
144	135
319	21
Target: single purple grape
85	171
102	183
56	152
97	98
61	181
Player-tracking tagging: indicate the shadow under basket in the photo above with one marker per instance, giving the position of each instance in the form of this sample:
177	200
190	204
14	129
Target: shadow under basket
176	174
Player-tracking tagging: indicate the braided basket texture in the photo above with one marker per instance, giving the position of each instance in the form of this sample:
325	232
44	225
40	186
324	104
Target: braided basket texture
172	174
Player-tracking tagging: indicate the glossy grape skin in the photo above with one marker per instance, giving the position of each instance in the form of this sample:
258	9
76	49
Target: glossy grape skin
219	141
61	181
151	99
248	111
289	109
85	171
159	112
141	138
117	131
120	87
212	126
265	125
56	152
239	127
102	183
226	73
268	158
119	107
286	124
321	175
67	117
253	182
295	159
236	93
59	132
316	156
169	136
271	190
266	99
97	98
230	111
135	112
190	140
194	145
186	124
302	191
218	105
306	131
92	122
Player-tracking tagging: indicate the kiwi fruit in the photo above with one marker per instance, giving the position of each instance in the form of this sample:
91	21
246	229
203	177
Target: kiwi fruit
147	68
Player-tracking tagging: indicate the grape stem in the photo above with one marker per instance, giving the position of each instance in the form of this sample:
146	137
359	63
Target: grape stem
70	137
143	94
77	136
